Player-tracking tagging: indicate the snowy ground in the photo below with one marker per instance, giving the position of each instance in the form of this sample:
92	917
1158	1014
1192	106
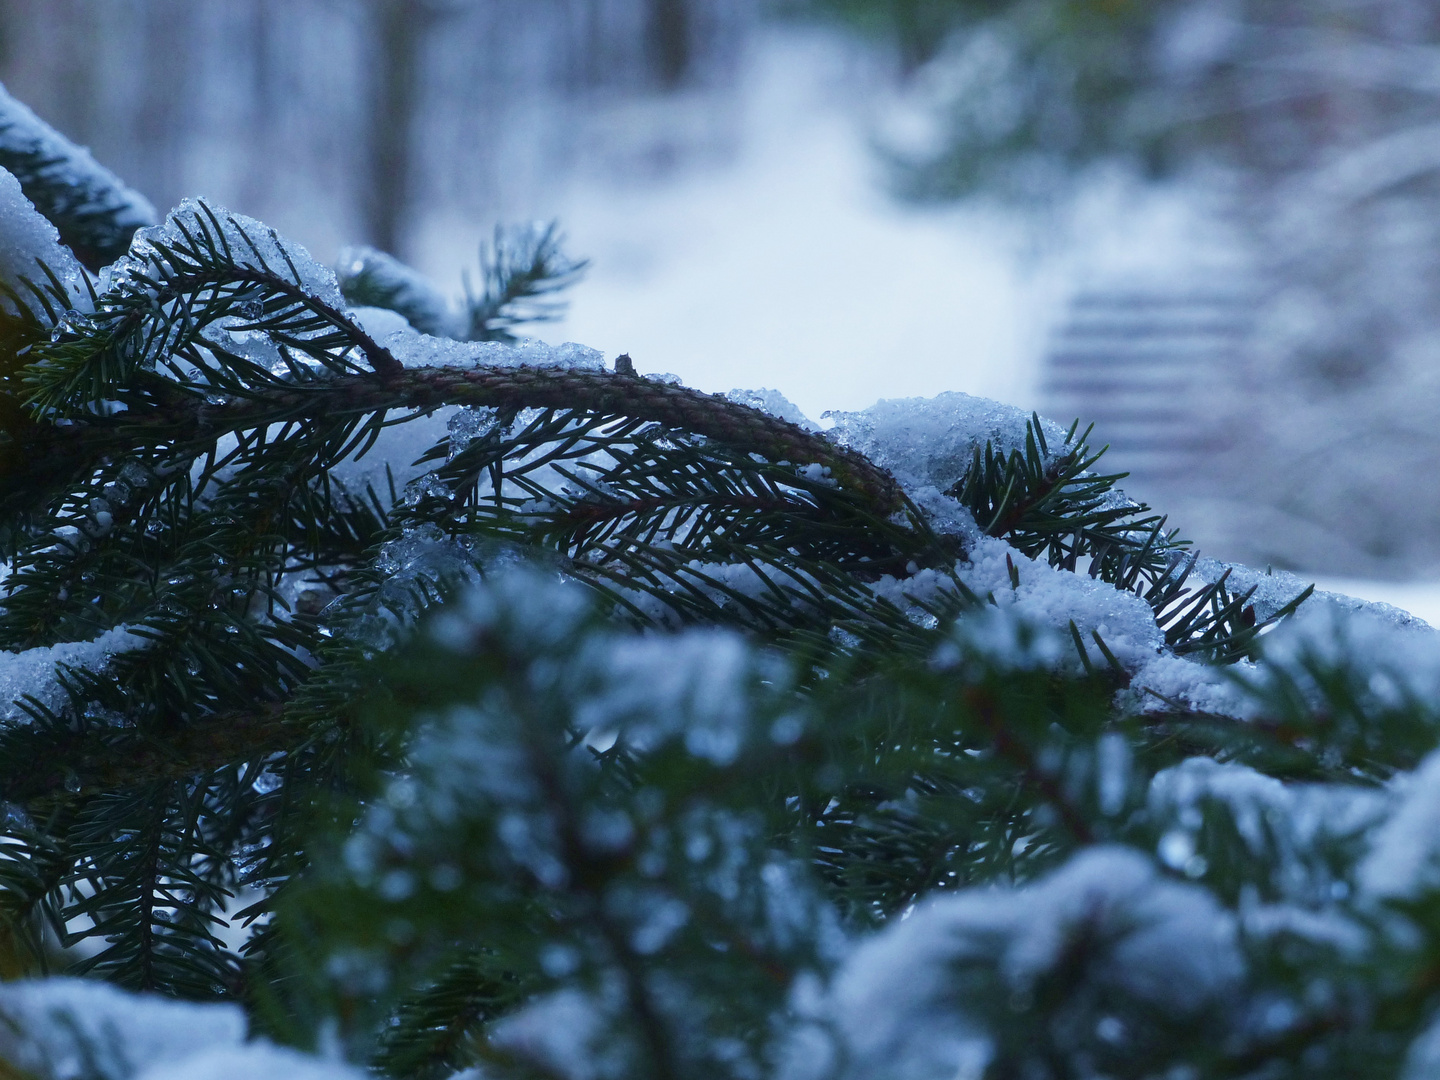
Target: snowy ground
785	264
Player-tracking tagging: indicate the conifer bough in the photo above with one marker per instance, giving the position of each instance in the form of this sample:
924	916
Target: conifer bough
381	685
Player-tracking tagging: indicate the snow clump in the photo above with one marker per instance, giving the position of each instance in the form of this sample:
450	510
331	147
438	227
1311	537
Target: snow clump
60	1028
922	999
1286	829
697	687
564	1032
28	240
1391	662
774	403
32	672
77	1029
1404	857
930	442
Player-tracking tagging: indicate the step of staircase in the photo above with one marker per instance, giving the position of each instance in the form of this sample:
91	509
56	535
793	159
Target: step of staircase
1142	363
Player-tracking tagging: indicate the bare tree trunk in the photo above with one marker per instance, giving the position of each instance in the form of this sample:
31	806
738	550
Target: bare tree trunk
165	123
668	37
399	30
9	17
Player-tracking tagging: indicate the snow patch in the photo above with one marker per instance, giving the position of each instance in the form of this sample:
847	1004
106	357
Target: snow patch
27	240
912	1001
252	1061
932	441
61	1028
32	672
774	403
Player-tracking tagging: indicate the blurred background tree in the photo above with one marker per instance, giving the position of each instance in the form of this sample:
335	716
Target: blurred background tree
1306	132
346	117
1048	87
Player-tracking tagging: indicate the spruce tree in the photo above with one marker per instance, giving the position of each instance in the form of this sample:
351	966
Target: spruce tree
556	720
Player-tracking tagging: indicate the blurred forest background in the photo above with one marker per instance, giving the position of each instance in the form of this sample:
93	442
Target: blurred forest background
1208	225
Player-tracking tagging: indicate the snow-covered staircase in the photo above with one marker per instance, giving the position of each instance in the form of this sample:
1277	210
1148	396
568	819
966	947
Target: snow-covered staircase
1143	363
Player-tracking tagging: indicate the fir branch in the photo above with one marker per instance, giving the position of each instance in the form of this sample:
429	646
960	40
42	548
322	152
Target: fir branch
1051	503
126	337
1000	730
522	270
87	761
177	417
432	1032
371	278
34	862
451	813
144	895
635	509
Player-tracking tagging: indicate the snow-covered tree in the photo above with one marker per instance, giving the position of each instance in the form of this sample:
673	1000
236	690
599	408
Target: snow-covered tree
392	692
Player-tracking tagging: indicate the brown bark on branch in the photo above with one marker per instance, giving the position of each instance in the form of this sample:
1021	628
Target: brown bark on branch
81	763
54	451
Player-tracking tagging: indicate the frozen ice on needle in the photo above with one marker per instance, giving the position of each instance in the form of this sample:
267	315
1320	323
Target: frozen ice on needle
251	243
774	403
414	349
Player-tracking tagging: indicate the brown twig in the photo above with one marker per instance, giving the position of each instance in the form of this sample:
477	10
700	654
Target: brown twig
50	449
135	757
